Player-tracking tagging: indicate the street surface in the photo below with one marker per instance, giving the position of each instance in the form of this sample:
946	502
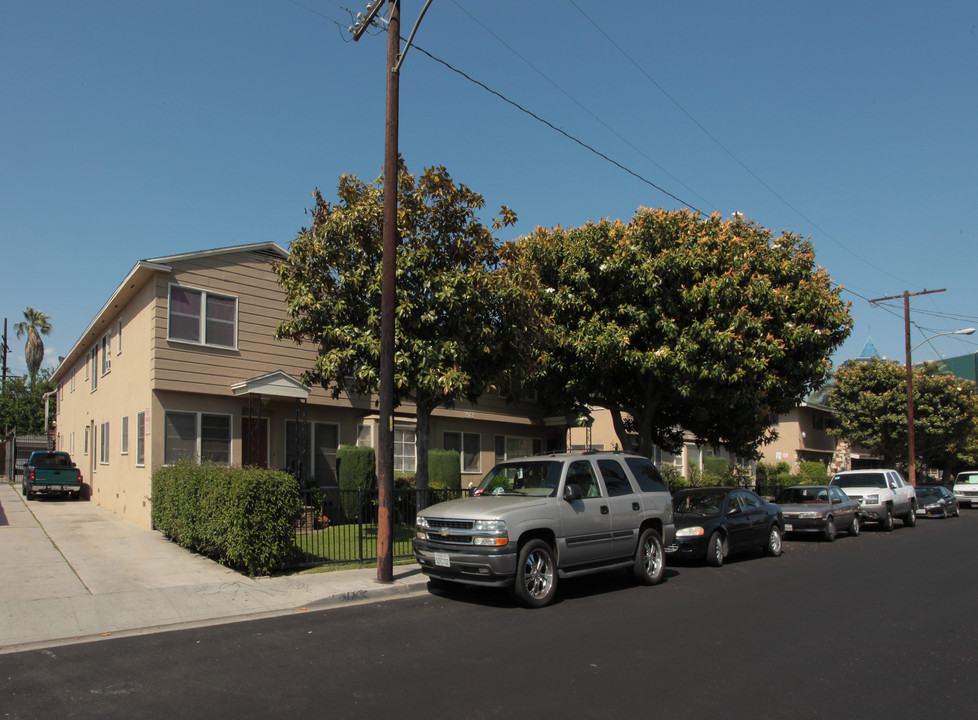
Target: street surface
882	625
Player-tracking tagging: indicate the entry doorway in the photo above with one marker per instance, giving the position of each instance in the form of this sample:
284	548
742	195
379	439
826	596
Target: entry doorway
254	445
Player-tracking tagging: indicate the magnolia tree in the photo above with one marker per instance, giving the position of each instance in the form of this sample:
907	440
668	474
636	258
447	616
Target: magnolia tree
674	321
871	398
458	319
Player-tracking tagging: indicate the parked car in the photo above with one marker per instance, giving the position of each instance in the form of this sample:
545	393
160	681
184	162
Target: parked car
823	509
533	520
883	494
936	501
712	523
50	472
966	488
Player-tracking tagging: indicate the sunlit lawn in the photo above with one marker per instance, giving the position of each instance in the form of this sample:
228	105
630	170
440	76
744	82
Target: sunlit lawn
351	543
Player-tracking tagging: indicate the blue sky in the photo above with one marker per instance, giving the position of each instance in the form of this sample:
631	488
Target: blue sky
131	130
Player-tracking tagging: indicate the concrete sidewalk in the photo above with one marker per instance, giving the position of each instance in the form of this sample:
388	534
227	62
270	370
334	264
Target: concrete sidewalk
74	572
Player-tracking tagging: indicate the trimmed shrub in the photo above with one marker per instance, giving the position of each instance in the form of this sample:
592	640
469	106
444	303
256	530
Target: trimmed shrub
715	469
444	470
814	473
356	469
673	477
242	518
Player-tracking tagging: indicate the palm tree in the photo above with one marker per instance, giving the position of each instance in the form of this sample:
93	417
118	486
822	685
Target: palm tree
35	324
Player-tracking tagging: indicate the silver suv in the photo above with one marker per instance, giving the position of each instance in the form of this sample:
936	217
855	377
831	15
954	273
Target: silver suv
534	519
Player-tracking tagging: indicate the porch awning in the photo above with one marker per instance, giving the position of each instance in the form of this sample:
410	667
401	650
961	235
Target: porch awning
274	384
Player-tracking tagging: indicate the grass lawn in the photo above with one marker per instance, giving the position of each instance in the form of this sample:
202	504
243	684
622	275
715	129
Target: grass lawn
346	544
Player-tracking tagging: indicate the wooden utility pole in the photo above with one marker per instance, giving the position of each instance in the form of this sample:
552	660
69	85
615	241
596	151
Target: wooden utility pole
388	300
911	450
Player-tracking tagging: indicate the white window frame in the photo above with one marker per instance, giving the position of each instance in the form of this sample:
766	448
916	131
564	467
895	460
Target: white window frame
198	434
103	443
309	467
202	318
369	440
402	460
106	341
140	439
462	438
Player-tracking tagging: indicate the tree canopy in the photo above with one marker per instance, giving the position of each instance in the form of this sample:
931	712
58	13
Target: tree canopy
456	314
674	321
22	403
871	398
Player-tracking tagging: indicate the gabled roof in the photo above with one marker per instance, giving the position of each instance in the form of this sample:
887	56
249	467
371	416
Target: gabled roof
273	384
141	272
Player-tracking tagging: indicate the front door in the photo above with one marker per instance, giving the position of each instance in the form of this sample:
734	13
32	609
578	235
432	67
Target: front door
254	442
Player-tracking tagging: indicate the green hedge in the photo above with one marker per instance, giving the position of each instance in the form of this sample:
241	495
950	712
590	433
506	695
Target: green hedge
444	470
814	473
242	518
356	468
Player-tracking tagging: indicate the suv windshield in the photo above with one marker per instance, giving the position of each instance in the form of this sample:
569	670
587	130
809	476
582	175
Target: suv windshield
528	477
930	493
860	480
969	479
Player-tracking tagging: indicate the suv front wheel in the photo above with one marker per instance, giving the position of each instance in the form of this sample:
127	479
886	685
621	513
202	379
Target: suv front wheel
536	575
650	561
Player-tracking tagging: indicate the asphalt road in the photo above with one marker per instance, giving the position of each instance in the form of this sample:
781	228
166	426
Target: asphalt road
882	625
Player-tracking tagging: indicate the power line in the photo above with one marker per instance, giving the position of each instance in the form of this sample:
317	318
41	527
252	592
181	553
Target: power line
726	149
577	102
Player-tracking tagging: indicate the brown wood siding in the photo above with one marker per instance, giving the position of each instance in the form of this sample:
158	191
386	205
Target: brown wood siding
261	306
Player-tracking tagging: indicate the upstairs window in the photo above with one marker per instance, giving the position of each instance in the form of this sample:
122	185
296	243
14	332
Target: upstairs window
203	318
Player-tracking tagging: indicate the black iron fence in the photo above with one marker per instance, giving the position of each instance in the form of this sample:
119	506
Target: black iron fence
340	526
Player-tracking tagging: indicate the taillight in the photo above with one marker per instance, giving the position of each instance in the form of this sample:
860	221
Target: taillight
32	474
79	476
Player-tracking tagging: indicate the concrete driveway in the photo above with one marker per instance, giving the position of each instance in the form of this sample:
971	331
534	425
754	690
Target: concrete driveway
71	571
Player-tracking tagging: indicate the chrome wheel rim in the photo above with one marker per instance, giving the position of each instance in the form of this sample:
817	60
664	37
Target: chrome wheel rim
718	549
652	558
775	540
538	575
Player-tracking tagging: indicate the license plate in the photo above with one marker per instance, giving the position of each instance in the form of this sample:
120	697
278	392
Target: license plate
921	512
788	528
441	560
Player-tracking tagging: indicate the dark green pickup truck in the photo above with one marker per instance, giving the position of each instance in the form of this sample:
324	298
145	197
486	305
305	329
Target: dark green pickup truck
49	472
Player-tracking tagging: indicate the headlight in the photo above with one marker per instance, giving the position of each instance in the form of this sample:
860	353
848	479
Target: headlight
872	499
694	531
810	515
421	521
496	527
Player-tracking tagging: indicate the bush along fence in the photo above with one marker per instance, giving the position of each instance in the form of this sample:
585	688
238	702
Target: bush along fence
244	518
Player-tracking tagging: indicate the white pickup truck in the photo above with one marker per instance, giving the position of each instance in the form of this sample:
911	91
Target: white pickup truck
882	494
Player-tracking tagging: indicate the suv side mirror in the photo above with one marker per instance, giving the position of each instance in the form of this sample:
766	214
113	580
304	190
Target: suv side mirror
572	492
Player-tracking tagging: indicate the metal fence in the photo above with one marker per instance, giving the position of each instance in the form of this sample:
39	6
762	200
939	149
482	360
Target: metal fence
340	526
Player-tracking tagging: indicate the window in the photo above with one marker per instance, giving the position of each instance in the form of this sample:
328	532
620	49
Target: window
86	440
140	438
365	435
94	368
197	435
118	335
404	455
106	353
124	439
647	475
315	448
581	473
614	478
507	447
469	448
103	447
203	318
